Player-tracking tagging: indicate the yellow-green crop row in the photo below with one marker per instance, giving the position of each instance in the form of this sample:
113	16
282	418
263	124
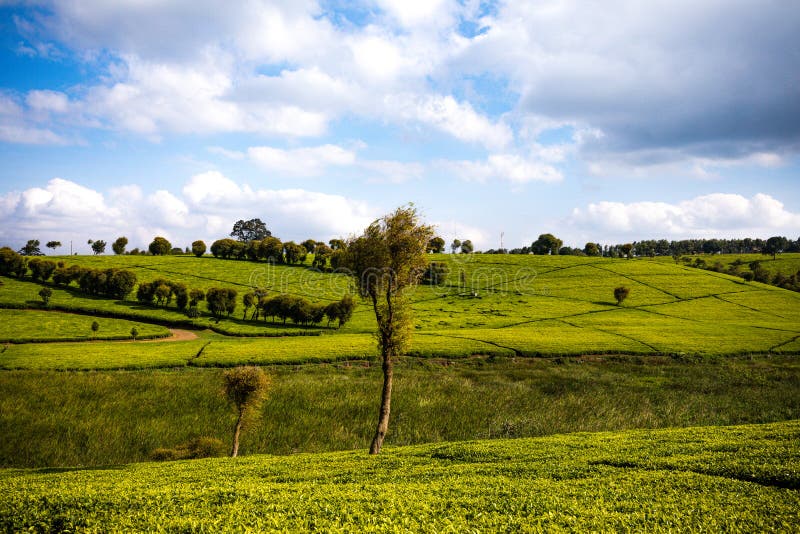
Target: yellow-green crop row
742	479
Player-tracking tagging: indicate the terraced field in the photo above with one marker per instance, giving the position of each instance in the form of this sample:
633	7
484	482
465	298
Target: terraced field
715	478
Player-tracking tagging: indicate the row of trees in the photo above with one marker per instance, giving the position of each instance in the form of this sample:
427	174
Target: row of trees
752	271
549	244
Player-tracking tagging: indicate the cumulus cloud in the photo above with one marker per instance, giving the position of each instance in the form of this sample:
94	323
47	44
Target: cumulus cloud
311	161
505	167
711	80
206	208
714	215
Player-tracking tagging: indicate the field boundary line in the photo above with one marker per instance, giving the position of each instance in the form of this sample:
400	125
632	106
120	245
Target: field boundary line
516	352
651	347
779	345
637	281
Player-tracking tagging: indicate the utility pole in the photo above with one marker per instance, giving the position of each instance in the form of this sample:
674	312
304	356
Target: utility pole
70	247
501	239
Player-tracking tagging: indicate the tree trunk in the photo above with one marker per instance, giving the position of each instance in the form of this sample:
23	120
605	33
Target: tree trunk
386	399
236	431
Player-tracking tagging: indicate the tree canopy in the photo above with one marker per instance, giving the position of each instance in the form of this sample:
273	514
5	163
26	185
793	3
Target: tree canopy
251	230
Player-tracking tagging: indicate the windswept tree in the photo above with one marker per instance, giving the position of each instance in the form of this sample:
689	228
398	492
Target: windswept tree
198	248
160	246
53	244
386	260
252	230
31	248
99	246
467	247
245	387
119	245
455	245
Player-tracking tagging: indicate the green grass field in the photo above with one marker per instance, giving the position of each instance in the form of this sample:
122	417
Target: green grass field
742	479
20	326
521	305
56	418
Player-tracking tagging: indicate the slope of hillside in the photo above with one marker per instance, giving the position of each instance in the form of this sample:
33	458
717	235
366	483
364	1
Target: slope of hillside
494	305
716	478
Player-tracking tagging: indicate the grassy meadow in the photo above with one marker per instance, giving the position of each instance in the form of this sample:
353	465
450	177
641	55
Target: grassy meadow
741	478
51	418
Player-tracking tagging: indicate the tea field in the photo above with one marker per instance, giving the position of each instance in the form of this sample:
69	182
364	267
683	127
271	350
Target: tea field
741	478
489	305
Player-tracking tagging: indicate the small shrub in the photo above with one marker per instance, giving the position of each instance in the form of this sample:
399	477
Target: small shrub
621	293
45	293
202	447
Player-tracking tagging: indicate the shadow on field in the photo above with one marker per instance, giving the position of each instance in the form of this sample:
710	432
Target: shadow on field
52	470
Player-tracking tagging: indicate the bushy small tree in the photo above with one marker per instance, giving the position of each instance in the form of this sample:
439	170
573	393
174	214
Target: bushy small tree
95	327
119	245
160	246
621	293
134	333
198	248
45	293
245	388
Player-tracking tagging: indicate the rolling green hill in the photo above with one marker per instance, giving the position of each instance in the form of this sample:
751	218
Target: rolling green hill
715	478
492	305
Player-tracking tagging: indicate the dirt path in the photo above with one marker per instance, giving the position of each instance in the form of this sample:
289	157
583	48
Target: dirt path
177	335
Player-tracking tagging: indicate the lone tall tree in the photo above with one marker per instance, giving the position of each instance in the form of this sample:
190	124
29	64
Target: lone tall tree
385	261
252	230
245	388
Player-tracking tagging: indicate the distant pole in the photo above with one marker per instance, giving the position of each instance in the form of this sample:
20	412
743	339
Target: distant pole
70	247
501	239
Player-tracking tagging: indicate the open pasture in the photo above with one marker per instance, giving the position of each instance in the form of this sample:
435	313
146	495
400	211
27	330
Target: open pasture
720	478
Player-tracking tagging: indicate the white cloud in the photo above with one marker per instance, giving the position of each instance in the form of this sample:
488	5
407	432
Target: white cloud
207	208
714	215
507	167
458	119
411	13
311	161
54	101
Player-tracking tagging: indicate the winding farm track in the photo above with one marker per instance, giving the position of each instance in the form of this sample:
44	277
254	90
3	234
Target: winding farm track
177	335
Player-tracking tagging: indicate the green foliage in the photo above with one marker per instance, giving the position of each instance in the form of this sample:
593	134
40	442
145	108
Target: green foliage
99	246
31	248
119	245
202	447
251	230
198	248
159	246
436	273
558	483
621	293
436	245
221	301
546	244
45	293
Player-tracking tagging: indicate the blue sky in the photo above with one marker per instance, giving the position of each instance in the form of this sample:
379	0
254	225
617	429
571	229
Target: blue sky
606	122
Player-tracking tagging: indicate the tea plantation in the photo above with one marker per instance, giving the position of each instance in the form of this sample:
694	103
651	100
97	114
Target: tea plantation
742	479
